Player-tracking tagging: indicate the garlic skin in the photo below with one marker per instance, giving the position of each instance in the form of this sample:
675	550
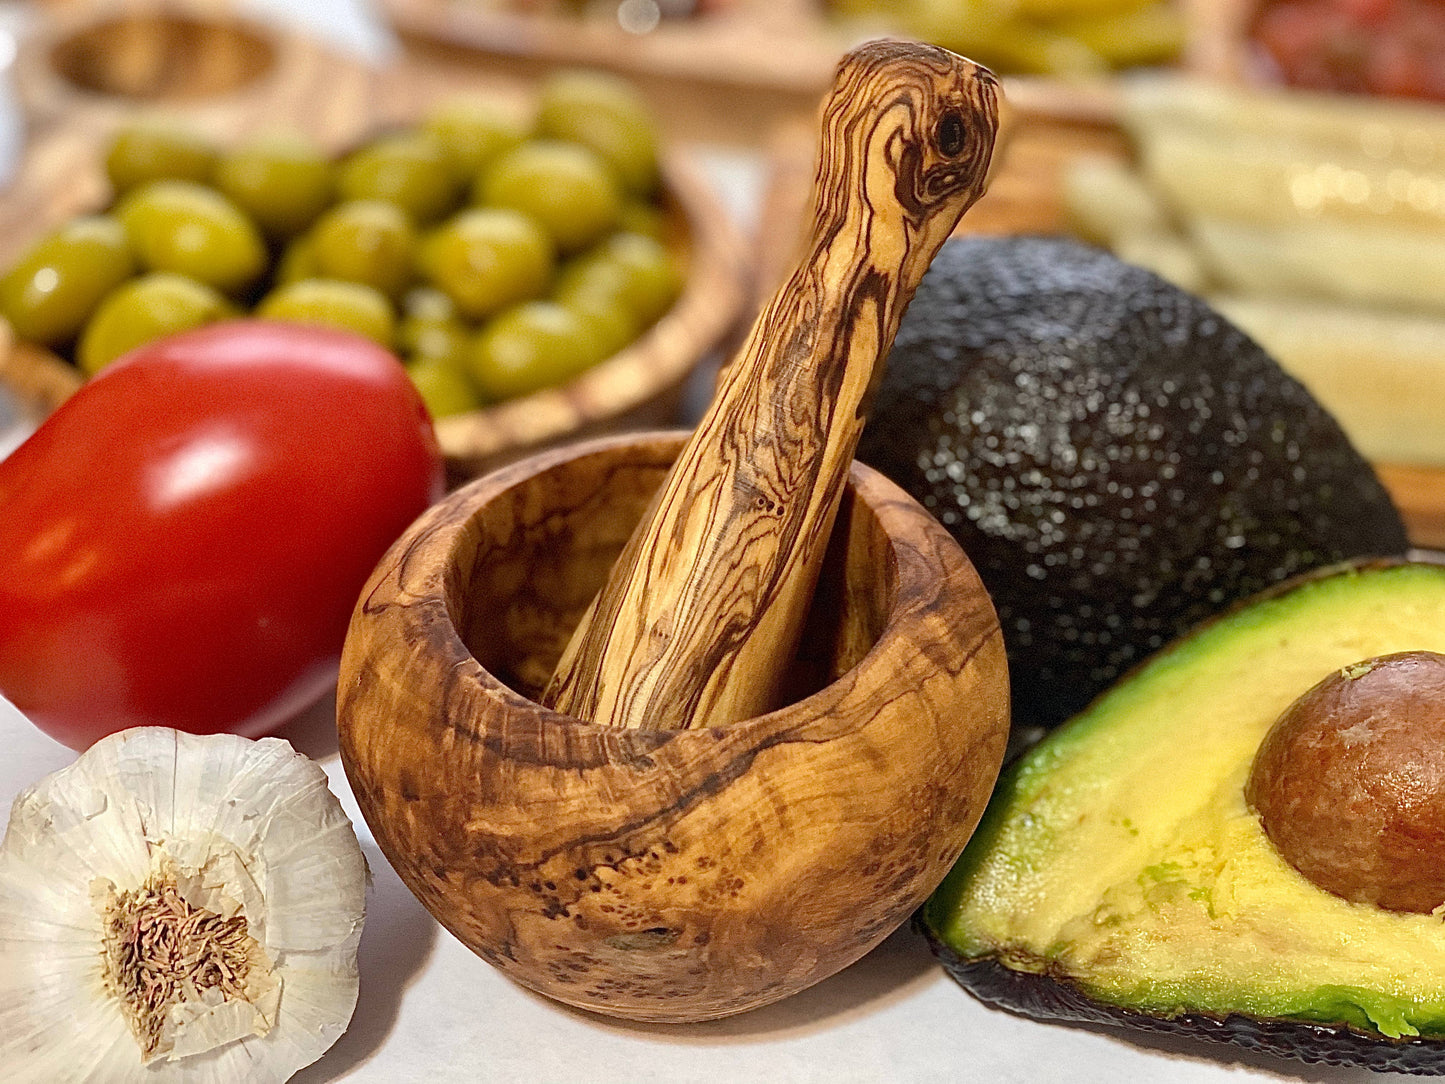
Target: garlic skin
226	856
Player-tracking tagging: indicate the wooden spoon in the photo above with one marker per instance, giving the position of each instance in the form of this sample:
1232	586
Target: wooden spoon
709	595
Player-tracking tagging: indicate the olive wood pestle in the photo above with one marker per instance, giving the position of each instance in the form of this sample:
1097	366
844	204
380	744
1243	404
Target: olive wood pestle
699	620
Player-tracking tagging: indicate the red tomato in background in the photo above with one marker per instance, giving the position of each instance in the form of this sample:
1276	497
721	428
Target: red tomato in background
182	542
1390	47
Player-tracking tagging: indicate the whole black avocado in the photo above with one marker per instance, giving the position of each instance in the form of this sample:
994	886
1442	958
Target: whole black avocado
1117	460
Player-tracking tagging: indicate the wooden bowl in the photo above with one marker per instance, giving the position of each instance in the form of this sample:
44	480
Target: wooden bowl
85	74
678	875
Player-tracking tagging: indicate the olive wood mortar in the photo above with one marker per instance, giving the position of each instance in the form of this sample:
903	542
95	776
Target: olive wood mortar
675	875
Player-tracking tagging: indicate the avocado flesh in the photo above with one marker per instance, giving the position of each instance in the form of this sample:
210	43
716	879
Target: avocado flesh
1118	858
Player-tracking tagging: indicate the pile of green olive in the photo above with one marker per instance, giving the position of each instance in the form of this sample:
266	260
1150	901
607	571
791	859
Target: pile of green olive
495	254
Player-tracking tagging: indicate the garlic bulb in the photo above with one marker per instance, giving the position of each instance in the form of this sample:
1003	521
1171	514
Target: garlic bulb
177	908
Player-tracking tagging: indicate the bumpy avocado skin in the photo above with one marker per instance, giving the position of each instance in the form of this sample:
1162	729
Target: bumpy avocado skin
1117	460
1397	601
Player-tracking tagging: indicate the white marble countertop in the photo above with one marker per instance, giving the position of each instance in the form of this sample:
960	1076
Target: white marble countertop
431	1011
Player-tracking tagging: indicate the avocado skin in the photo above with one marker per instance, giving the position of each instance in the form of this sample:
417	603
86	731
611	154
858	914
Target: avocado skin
1046	997
1117	460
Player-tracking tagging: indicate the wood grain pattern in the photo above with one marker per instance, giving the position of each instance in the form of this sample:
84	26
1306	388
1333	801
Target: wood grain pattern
1023	193
712	589
93	67
682	875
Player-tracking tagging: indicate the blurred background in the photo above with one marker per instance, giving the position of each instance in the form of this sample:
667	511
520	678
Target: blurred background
1285	159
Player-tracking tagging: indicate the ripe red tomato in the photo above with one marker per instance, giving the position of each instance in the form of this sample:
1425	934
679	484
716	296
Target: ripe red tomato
1391	47
182	542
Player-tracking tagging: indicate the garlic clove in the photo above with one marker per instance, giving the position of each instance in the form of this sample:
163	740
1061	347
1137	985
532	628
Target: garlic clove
177	908
50	983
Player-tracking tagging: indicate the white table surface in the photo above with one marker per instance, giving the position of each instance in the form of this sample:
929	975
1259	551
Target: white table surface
431	1011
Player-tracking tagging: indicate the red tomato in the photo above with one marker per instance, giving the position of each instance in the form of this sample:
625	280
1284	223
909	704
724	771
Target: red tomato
182	542
1392	47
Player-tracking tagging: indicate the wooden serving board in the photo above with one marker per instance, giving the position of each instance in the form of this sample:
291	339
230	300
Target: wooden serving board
1025	196
90	69
726	75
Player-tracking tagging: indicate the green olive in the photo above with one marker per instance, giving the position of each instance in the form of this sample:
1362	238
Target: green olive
368	241
607	327
473	131
429	305
194	231
431	327
533	345
282	181
145	309
605	113
408	169
486	258
639	216
444	386
567	188
297	262
437	342
157	149
55	286
350	306
629	270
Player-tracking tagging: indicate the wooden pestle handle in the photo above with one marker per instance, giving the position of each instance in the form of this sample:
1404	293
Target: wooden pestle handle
700	617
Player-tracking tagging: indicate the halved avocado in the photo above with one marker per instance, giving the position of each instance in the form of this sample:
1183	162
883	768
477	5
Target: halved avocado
1119	876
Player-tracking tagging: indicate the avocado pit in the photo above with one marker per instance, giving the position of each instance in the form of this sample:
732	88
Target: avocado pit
1350	782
